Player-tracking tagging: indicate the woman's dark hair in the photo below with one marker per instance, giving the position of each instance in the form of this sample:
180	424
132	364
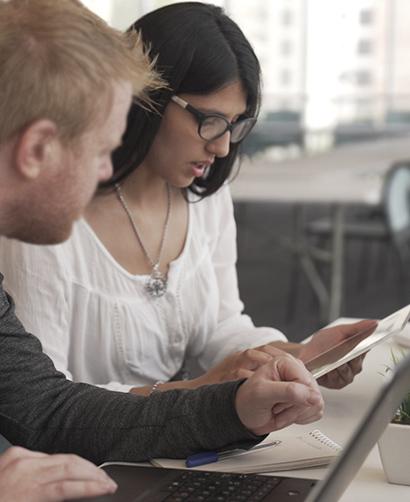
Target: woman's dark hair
198	50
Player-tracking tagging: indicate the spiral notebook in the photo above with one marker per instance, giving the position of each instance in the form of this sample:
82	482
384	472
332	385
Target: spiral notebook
283	451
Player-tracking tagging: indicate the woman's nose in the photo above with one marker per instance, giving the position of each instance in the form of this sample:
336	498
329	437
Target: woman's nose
220	146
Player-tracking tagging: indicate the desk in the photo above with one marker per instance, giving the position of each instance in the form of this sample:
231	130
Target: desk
344	410
351	175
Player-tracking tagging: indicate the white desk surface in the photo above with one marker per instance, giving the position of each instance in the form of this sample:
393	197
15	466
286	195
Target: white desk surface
346	175
344	409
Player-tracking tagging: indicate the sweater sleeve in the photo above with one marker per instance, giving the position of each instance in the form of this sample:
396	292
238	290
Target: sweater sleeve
235	330
40	409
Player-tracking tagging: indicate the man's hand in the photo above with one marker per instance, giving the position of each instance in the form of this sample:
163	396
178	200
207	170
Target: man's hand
329	337
278	394
37	477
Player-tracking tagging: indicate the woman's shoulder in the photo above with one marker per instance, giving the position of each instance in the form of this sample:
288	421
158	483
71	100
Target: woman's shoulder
211	217
214	206
37	258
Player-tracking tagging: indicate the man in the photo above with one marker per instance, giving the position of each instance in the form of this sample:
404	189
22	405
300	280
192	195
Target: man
66	82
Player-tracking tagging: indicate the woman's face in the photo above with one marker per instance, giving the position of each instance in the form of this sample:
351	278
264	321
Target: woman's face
178	154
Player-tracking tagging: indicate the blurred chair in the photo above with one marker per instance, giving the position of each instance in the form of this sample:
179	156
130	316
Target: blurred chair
389	224
275	128
4	444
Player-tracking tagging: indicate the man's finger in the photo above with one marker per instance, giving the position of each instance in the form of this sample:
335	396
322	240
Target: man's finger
54	468
309	417
64	490
16	453
298	415
310	414
278	408
291	369
292	393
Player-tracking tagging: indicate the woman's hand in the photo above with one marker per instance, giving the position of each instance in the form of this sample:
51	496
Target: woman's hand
239	365
234	367
328	338
343	375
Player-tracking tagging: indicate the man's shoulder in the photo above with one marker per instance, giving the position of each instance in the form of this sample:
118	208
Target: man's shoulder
9	324
4	301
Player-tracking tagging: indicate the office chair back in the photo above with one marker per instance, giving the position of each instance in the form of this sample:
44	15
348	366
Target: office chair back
396	199
4	444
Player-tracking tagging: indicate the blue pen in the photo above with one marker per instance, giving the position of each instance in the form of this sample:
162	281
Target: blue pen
208	457
205	457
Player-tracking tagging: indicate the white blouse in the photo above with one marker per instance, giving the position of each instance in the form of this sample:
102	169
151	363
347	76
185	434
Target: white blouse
98	324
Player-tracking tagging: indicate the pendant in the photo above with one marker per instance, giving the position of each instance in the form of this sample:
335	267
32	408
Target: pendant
156	284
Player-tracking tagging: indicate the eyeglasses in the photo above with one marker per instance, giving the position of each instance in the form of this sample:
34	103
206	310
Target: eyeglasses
212	126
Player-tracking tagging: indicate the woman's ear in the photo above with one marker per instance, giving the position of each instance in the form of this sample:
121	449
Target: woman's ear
37	148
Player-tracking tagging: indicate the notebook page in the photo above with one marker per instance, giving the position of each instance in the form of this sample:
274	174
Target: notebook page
290	451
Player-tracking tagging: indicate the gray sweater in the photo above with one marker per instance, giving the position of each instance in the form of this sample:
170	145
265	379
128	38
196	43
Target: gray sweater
40	409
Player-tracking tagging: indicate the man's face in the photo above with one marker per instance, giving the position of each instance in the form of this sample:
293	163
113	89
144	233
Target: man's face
60	195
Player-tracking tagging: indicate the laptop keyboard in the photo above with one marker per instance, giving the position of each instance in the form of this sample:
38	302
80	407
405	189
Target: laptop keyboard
215	486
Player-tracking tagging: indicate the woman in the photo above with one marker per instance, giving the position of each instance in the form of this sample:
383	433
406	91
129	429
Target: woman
147	281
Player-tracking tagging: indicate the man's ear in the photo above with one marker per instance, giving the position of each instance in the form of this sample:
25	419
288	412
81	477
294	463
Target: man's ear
37	148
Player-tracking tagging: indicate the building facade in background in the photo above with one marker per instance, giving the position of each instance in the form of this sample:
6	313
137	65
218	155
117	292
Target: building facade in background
328	64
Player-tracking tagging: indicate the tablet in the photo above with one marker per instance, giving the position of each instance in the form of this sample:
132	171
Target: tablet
358	344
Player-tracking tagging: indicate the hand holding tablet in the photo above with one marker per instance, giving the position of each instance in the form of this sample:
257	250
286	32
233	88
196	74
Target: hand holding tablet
344	350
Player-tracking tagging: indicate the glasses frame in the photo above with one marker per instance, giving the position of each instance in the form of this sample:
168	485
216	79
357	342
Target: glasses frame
201	117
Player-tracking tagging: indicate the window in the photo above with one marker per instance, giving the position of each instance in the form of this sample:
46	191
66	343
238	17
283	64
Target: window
364	47
285	47
286	17
285	77
366	17
364	77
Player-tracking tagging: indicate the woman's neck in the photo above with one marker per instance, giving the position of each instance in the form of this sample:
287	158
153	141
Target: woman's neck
142	188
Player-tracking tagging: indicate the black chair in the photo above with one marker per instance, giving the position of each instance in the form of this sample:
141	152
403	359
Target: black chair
4	444
389	224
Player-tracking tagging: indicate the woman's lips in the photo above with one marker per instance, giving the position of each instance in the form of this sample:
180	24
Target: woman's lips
198	168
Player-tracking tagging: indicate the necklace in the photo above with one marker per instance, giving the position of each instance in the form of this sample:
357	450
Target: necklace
156	284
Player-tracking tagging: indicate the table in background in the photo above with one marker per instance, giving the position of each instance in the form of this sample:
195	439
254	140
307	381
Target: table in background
346	176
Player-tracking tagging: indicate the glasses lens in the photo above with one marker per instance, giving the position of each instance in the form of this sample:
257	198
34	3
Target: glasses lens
213	127
241	129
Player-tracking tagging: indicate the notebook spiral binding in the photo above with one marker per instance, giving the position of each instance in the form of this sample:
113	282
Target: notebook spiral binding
322	438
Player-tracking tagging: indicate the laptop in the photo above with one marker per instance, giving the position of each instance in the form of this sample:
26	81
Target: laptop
153	484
